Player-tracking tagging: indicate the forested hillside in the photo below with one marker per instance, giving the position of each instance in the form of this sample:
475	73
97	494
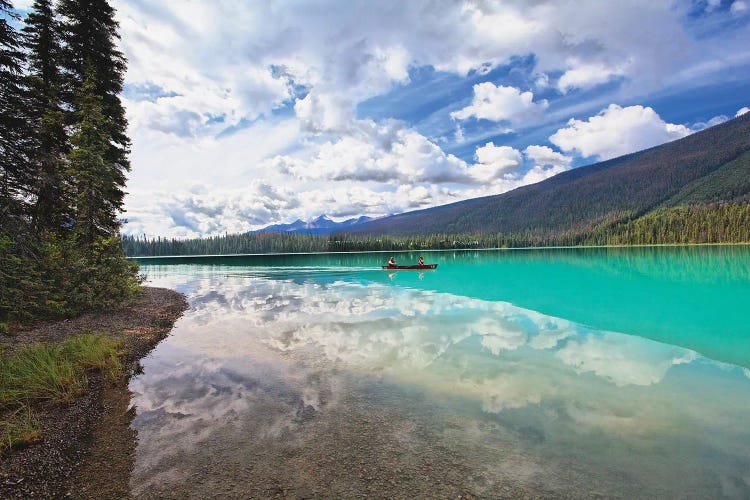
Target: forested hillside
713	223
63	161
708	166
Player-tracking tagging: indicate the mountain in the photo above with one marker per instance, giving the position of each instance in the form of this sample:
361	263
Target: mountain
321	225
709	166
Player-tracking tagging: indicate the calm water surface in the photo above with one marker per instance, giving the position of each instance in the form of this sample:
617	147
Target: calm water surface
563	372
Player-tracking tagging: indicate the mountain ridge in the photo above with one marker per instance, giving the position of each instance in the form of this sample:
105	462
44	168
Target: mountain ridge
321	225
712	164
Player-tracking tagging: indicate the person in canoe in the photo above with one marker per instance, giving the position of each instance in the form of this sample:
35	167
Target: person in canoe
391	262
420	262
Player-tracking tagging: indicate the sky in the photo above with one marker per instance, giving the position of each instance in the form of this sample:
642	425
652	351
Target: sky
245	113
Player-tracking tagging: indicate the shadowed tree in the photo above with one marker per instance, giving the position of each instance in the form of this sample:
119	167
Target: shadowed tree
42	38
91	58
16	175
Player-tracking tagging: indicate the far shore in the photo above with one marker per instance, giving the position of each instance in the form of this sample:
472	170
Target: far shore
417	250
86	449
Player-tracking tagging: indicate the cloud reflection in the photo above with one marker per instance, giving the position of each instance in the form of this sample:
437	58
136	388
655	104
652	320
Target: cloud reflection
381	328
623	359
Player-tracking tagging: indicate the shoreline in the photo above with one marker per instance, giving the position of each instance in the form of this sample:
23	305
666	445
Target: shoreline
87	447
417	250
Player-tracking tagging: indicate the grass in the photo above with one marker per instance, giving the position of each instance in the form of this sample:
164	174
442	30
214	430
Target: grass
50	372
20	428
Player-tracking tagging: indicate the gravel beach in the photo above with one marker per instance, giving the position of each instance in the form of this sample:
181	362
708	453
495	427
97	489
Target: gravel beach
87	447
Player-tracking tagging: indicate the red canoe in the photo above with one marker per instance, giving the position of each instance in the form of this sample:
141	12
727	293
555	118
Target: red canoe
423	266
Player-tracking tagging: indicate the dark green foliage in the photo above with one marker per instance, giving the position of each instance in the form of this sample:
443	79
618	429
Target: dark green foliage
60	252
91	58
103	278
61	278
16	174
92	175
227	244
729	182
21	286
47	117
716	223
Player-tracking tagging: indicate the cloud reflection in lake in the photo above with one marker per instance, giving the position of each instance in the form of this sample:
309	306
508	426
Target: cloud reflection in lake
265	353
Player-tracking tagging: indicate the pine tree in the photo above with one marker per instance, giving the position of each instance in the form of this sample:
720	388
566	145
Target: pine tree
90	171
42	38
15	171
90	57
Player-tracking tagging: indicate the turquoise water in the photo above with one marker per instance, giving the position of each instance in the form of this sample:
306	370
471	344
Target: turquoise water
582	372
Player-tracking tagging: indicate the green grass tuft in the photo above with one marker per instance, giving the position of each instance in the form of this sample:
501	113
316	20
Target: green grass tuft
18	429
56	371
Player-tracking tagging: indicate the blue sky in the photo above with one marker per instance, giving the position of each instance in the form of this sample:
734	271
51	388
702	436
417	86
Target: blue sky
244	114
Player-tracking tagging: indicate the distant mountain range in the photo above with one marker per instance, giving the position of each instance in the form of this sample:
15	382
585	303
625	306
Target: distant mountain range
321	225
709	166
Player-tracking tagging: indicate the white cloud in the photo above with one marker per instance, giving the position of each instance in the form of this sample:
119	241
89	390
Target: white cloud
738	7
207	212
585	75
500	103
459	135
617	131
494	162
716	120
327	113
543	155
742	111
387	153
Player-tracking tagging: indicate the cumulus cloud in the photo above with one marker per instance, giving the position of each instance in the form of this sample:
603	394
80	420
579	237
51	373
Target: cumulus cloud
500	103
546	156
323	113
495	161
617	131
203	212
586	75
387	153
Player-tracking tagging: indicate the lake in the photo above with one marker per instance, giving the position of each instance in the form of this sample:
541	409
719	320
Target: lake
616	372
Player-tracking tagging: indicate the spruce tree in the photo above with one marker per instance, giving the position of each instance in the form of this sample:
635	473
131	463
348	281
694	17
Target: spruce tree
42	39
91	59
90	171
16	175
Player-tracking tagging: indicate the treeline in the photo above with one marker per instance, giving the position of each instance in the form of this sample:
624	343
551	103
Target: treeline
225	245
715	223
63	161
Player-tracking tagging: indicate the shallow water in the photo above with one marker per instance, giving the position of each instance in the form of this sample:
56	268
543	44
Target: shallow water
563	372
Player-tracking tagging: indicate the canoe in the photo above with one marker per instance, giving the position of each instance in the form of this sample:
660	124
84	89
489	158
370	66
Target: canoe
423	266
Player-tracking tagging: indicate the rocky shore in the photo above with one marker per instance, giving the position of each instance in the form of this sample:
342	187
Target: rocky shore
87	447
